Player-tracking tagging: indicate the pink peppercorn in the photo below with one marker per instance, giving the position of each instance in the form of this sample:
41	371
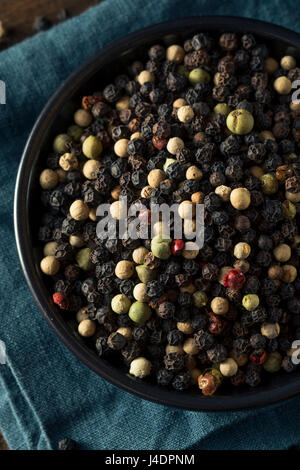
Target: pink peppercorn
61	300
234	279
216	324
259	357
177	246
145	216
158	143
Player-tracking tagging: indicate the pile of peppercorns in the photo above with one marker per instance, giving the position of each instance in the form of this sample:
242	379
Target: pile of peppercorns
210	122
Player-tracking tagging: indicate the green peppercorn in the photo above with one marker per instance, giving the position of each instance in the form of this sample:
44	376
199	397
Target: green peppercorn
60	143
75	132
139	312
250	301
289	209
273	362
120	304
83	259
168	162
145	274
160	247
269	184
181	70
92	147
198	75
199	298
222	108
240	121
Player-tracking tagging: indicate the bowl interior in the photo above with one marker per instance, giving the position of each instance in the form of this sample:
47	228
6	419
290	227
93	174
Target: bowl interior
92	76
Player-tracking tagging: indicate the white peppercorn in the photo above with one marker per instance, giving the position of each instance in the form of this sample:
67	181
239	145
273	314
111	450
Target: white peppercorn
87	328
120	148
138	255
229	367
283	85
282	252
185	327
124	269
270	330
224	192
193	173
288	62
50	265
48	179
190	250
186	210
219	305
126	332
68	162
174	145
79	210
89	169
242	250
82	315
76	241
83	118
174	349
140	292
120	303
190	347
155	177
240	198
140	367
49	248
179	103
175	53
145	76
185	113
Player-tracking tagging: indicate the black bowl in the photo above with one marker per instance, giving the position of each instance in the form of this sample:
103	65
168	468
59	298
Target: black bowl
89	77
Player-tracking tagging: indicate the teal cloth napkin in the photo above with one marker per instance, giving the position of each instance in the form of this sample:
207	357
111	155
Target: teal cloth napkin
45	392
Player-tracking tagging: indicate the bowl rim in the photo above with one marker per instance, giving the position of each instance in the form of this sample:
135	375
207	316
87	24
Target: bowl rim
154	393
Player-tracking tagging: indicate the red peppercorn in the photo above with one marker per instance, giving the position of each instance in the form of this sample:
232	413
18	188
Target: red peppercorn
234	279
88	101
61	300
155	303
207	384
158	143
216	324
259	357
177	246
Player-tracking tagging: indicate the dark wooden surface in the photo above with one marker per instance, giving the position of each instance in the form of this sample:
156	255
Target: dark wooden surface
18	16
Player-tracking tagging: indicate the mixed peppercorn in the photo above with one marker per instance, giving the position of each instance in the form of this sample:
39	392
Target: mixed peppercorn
207	122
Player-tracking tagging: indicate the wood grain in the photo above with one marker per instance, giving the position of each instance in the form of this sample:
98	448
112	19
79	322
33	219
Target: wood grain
3	445
18	15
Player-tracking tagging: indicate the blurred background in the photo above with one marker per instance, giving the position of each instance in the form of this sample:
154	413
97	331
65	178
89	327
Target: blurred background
20	19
